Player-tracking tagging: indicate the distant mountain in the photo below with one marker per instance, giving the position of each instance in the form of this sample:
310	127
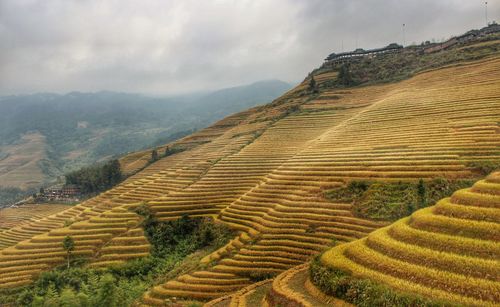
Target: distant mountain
232	100
48	134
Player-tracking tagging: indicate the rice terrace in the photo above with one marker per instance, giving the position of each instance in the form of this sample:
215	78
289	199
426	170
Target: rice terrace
374	181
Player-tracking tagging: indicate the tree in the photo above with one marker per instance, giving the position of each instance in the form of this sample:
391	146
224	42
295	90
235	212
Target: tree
344	76
69	246
313	86
112	173
42	191
154	155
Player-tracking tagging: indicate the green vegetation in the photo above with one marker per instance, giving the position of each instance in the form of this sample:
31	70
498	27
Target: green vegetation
313	86
344	77
68	245
96	178
82	287
349	193
185	234
363	292
177	247
392	201
484	167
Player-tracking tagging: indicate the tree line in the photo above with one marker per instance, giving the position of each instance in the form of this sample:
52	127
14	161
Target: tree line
96	178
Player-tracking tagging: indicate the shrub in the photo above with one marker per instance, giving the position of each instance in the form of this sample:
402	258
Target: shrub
257	276
186	234
392	201
484	168
387	201
351	192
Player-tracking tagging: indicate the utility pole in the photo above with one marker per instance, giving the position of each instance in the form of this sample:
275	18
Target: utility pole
486	12
404	36
342	45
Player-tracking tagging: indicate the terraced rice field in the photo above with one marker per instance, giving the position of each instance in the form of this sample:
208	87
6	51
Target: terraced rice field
450	251
427	127
293	288
263	173
105	228
252	295
15	216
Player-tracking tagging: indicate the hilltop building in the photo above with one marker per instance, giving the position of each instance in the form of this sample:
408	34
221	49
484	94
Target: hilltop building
337	58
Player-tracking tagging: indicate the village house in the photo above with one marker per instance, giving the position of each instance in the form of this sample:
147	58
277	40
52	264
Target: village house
62	192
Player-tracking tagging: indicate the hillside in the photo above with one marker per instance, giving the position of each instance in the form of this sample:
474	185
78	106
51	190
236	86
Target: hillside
264	172
425	133
446	254
20	165
43	136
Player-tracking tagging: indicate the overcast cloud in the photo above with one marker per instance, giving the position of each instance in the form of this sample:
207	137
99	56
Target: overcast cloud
176	46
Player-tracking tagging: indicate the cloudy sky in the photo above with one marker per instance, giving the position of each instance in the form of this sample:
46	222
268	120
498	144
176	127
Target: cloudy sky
176	46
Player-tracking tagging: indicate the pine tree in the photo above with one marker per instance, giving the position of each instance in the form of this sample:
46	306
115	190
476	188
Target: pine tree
154	155
344	76
313	86
114	172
